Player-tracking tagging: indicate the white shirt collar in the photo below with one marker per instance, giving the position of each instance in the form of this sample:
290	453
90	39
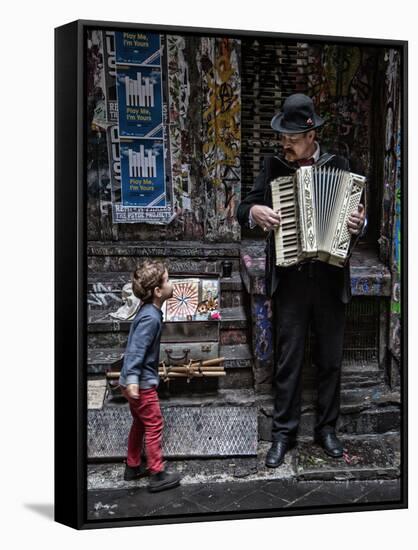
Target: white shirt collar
316	153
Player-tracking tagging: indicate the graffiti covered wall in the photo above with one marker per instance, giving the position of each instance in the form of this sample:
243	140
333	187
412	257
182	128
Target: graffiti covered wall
202	77
221	125
390	240
340	81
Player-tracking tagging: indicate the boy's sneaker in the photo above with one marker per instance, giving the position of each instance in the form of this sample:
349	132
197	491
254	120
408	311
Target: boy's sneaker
162	481
135	472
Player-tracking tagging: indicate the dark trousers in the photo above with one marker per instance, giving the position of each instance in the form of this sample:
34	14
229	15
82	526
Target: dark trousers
306	295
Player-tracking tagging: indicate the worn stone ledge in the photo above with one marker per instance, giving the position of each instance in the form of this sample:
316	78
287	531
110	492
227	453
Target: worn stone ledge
377	417
187	249
374	420
236	357
369	276
364	459
102	282
231	318
306	461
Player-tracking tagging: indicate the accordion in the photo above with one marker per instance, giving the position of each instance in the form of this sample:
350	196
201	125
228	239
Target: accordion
315	203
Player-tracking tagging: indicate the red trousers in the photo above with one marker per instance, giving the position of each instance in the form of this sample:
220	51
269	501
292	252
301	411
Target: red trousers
147	423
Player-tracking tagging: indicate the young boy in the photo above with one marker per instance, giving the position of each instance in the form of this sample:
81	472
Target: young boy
139	376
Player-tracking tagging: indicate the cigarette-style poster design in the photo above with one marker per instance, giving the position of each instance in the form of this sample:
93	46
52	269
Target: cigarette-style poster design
142	171
140	102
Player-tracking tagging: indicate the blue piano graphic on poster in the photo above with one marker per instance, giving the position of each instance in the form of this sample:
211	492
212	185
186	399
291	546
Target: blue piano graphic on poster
143	173
140	102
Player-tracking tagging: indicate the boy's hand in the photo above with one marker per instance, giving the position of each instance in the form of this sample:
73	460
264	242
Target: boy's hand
132	390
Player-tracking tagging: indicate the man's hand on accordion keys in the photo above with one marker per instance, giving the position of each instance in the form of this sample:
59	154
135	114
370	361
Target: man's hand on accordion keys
265	217
356	220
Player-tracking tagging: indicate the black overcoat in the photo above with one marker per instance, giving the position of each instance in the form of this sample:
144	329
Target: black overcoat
274	167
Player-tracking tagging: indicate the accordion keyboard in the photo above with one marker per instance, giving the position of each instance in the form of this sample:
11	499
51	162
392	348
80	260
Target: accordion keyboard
314	205
286	235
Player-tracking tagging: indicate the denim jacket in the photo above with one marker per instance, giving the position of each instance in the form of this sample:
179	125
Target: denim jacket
142	355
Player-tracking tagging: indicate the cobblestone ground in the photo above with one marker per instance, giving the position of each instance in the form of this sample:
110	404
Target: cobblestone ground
368	473
233	496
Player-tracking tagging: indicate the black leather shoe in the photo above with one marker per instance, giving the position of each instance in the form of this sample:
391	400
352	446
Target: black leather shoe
135	472
162	481
276	453
331	444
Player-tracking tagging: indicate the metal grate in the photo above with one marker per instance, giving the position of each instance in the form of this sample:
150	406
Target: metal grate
361	336
271	71
188	431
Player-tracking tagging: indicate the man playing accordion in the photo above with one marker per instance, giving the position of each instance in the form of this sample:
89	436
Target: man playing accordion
310	292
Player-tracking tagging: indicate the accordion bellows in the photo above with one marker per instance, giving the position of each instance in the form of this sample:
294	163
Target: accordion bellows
315	203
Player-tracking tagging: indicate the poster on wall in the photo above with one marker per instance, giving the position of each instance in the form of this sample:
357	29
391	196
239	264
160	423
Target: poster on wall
138	147
142	172
194	299
138	48
140	102
110	77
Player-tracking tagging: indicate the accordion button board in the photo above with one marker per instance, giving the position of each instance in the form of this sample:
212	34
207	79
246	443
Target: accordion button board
315	204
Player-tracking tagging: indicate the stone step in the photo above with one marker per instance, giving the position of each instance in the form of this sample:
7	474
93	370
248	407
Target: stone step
363	411
113	281
100	359
105	332
366	458
180	256
239	368
104	290
234	318
239	358
233	293
354	375
369	276
233	329
237	364
266	496
99	320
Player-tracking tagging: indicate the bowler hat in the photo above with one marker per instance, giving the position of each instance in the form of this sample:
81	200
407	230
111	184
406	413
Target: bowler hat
297	116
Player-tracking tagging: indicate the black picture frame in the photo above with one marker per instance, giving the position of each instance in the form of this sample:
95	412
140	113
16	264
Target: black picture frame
71	276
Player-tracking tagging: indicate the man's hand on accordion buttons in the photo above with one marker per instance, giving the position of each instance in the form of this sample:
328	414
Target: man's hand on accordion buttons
356	220
265	217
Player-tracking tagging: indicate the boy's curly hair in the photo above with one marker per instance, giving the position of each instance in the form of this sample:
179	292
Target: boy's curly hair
147	275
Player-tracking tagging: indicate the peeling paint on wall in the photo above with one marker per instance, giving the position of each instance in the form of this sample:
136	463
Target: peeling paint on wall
222	130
